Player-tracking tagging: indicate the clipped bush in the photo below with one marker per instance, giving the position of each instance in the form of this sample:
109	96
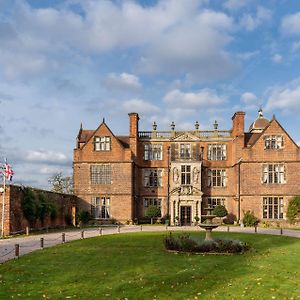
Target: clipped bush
249	219
230	219
293	210
220	211
152	211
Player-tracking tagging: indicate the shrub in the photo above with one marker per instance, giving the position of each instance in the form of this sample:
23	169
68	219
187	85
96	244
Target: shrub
293	210
183	242
83	216
220	211
230	219
249	219
152	212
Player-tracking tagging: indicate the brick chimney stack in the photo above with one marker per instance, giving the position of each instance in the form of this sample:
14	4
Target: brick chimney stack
133	131
238	124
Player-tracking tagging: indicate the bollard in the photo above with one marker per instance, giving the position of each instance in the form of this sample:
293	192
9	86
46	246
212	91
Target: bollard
255	229
118	228
27	230
63	237
167	227
100	231
42	243
17	250
141	228
82	234
227	228
281	231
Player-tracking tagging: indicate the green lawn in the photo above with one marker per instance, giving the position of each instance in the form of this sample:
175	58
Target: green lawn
136	266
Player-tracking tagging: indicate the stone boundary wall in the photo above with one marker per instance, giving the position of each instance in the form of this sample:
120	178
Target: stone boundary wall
65	206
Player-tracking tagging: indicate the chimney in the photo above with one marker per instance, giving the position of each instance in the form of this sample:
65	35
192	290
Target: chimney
238	126
133	124
133	131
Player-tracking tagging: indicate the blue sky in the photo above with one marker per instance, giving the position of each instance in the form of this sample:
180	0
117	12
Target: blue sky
63	62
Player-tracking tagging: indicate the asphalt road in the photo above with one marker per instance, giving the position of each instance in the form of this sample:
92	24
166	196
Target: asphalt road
27	244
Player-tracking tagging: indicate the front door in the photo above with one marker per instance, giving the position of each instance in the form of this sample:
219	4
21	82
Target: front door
185	215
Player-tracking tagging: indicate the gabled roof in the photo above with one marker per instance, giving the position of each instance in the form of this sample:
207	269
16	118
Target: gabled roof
251	138
258	135
84	136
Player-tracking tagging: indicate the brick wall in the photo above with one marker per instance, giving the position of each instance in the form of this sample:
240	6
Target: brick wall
14	218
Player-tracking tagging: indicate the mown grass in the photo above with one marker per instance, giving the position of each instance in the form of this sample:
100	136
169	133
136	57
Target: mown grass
136	266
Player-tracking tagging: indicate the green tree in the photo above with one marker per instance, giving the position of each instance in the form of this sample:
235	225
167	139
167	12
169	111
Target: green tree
220	211
293	210
152	212
61	184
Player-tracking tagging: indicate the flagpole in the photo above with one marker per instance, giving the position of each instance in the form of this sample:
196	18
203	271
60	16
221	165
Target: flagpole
3	205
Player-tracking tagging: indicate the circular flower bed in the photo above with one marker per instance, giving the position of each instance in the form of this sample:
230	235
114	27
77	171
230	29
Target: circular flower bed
184	243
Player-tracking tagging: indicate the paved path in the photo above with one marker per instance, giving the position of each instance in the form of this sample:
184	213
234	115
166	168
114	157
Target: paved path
32	243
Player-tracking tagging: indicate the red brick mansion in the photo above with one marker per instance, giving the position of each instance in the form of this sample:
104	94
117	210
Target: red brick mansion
184	171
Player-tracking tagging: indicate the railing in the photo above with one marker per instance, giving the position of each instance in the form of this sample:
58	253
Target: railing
173	134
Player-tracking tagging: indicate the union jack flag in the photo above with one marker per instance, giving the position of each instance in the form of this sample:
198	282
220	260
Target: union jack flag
8	172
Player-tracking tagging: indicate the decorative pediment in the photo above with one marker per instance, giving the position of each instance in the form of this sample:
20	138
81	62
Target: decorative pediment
185	136
186	190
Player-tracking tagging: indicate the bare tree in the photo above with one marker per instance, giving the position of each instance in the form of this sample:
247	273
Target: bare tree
61	184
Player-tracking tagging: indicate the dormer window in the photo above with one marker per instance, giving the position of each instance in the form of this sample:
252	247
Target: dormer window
185	151
102	143
273	142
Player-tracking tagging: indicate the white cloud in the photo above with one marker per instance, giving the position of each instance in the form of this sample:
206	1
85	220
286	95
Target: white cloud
248	98
194	48
277	58
46	156
190	100
248	55
183	37
123	81
285	98
140	106
290	24
250	22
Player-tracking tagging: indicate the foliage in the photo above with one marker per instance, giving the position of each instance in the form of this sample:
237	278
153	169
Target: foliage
293	210
230	219
249	219
36	206
197	219
29	205
152	212
184	243
220	211
83	216
135	266
61	184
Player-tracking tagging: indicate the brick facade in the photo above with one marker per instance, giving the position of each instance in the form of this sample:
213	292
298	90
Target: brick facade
184	171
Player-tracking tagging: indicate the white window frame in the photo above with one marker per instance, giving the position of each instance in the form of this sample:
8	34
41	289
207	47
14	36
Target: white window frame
274	173
214	201
153	152
186	174
217	178
217	152
273	208
152	178
102	143
100	207
101	174
185	151
274	142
